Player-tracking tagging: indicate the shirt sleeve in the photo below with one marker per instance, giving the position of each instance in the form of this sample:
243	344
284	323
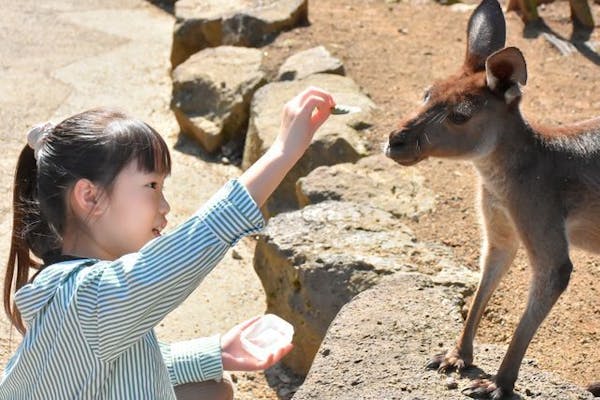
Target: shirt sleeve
118	302
195	360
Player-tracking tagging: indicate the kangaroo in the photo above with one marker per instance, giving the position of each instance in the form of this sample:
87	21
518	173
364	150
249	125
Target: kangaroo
538	185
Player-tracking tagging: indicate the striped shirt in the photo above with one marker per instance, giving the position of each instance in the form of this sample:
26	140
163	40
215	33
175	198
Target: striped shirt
90	323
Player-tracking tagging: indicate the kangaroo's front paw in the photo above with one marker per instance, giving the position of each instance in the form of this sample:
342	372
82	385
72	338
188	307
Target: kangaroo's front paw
487	389
451	360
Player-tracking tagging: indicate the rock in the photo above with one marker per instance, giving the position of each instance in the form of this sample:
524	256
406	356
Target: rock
394	328
236	255
313	261
337	141
451	383
309	62
374	180
250	23
462	8
212	92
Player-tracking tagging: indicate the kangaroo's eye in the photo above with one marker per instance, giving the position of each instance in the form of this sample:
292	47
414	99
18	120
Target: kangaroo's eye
463	111
458	118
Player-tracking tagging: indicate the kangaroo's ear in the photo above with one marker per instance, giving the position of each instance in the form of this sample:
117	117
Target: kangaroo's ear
486	33
505	72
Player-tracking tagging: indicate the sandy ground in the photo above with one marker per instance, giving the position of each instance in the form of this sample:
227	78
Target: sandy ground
60	57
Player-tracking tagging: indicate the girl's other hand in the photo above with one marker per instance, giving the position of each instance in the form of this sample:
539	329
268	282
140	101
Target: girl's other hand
301	118
235	358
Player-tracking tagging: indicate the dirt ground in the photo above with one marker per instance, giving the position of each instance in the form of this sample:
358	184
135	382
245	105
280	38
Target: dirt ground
394	50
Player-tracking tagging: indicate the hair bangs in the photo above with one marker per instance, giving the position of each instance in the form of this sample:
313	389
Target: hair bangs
143	144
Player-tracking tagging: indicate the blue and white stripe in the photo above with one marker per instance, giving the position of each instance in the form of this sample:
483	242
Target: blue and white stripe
90	323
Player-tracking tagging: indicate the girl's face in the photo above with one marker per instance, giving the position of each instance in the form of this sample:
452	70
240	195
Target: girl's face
133	214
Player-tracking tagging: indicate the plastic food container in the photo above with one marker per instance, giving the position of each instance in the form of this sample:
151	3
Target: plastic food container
267	335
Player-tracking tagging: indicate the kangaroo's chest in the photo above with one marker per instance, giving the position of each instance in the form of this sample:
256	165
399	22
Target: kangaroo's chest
539	195
583	223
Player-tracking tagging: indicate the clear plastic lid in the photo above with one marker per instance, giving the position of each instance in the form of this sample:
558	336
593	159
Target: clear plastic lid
266	336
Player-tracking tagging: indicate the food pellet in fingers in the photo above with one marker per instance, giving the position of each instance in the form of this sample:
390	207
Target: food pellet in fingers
339	109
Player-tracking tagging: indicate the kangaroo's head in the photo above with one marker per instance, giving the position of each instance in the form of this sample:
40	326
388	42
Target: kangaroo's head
463	115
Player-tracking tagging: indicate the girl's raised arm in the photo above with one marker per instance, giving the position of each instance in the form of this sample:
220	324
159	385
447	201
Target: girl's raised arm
301	118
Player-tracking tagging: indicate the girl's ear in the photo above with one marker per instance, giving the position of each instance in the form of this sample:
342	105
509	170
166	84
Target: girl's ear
86	198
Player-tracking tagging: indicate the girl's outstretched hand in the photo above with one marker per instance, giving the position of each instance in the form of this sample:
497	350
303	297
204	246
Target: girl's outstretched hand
235	358
301	118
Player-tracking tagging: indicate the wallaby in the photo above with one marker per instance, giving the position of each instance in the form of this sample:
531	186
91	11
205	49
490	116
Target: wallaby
538	185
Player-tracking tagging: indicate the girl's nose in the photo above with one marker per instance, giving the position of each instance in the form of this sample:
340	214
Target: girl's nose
164	206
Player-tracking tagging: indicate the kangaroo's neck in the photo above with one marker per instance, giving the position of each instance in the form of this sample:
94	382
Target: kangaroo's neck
516	145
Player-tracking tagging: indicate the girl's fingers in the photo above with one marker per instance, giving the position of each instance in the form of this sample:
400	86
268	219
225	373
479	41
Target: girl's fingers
307	101
311	91
243	325
284	350
264	364
249	363
320	116
275	357
303	95
327	98
323	109
297	101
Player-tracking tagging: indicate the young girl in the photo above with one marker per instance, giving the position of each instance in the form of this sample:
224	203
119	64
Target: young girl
88	202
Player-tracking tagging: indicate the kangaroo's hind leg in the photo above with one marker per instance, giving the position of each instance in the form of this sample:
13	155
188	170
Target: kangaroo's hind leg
499	247
548	252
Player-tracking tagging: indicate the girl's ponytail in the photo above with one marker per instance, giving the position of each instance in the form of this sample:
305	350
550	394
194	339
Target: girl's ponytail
29	233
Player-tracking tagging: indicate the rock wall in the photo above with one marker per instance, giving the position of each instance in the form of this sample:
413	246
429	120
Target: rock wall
377	347
313	261
210	23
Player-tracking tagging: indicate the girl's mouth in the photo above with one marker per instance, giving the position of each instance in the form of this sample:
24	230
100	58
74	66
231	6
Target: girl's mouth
156	232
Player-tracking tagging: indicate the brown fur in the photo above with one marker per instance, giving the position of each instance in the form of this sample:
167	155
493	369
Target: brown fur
576	129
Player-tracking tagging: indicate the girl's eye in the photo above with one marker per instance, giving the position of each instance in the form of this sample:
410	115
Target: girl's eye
152	185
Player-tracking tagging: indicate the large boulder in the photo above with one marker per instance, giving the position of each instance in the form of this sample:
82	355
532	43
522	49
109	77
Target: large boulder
308	62
250	23
337	141
212	92
313	261
375	180
379	343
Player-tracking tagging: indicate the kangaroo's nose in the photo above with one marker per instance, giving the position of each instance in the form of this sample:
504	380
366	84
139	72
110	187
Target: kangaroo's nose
397	139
